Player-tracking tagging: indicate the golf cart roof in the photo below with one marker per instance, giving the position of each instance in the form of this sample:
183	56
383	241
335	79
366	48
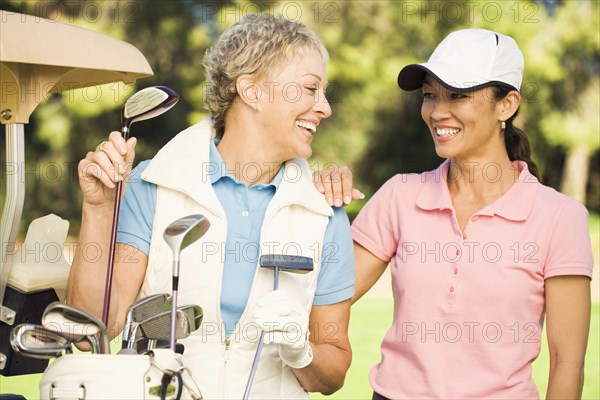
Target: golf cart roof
39	56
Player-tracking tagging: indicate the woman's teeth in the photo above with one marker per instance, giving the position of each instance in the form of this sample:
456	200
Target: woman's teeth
446	132
307	125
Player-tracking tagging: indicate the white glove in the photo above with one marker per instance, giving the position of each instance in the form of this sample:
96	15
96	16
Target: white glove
285	322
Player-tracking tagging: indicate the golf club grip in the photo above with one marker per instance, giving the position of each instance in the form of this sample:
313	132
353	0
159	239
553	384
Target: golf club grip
254	366
112	243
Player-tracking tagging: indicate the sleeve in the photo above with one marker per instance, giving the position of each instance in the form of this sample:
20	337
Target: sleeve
336	279
376	227
570	250
136	214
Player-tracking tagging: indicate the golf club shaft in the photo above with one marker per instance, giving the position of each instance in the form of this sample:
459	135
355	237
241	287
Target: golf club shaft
175	288
260	342
254	366
113	240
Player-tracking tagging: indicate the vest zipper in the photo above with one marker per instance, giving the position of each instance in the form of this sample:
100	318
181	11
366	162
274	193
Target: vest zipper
227	344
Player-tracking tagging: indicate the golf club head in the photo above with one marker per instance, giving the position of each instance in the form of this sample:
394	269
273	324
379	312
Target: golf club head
295	264
143	309
35	341
148	103
158	327
76	324
184	231
194	314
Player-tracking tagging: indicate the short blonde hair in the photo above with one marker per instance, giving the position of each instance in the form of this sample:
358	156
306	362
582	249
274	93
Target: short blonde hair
253	46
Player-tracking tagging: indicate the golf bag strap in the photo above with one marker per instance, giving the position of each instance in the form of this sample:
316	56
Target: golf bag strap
67	392
183	378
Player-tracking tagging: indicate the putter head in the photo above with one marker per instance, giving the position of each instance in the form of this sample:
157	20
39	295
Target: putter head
184	231
35	341
295	264
148	103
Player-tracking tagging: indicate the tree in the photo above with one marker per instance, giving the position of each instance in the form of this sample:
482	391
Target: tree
572	118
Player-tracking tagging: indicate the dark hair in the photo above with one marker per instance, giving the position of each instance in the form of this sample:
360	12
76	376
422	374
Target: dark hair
515	140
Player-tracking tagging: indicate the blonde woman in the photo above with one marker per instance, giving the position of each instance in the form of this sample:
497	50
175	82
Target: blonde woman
245	170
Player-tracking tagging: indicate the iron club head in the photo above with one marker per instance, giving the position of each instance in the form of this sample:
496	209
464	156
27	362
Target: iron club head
147	103
35	341
76	324
158	326
194	314
140	310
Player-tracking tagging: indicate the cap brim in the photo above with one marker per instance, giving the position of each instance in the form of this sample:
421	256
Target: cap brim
411	78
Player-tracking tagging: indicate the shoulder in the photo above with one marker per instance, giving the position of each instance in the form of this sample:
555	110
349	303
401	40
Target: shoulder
404	185
557	203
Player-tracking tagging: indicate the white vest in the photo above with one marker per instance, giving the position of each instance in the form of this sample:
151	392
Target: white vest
294	224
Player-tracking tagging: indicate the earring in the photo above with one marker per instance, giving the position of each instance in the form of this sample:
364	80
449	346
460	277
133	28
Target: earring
503	125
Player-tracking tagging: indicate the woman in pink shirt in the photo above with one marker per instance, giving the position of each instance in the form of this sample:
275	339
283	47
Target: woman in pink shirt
480	251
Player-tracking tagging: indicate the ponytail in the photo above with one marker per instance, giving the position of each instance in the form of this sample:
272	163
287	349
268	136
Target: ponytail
515	140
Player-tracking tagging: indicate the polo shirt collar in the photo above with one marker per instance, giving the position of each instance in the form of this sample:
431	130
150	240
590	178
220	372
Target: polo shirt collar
219	169
516	204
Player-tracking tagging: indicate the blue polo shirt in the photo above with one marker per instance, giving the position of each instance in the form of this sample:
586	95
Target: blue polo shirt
245	209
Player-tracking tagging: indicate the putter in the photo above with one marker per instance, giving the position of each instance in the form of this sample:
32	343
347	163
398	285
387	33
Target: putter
141	310
180	234
35	341
76	324
145	104
277	262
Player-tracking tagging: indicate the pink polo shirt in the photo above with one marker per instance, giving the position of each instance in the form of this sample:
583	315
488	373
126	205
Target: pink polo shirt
468	306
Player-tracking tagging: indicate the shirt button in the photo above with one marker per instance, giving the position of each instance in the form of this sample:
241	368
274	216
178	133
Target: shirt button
464	236
245	214
455	271
451	289
457	252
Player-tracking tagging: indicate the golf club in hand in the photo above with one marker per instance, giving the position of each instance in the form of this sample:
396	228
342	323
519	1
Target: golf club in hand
145	104
277	262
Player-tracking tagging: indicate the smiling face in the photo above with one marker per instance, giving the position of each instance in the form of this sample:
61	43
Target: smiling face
291	105
464	126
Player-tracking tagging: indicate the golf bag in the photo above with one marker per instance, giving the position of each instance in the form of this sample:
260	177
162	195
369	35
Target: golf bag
159	374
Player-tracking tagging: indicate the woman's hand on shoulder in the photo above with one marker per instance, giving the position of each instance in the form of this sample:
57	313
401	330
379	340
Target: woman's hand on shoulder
336	185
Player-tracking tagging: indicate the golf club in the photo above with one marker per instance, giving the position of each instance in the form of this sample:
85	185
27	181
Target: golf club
277	262
180	234
158	327
140	310
194	315
145	104
76	324
35	341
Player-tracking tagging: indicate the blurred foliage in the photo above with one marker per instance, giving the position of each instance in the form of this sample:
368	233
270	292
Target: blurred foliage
376	128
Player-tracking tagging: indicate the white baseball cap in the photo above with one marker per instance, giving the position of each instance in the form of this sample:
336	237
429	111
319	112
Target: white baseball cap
468	60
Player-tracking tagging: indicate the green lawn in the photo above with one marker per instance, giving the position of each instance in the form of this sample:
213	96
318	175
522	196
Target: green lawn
371	317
